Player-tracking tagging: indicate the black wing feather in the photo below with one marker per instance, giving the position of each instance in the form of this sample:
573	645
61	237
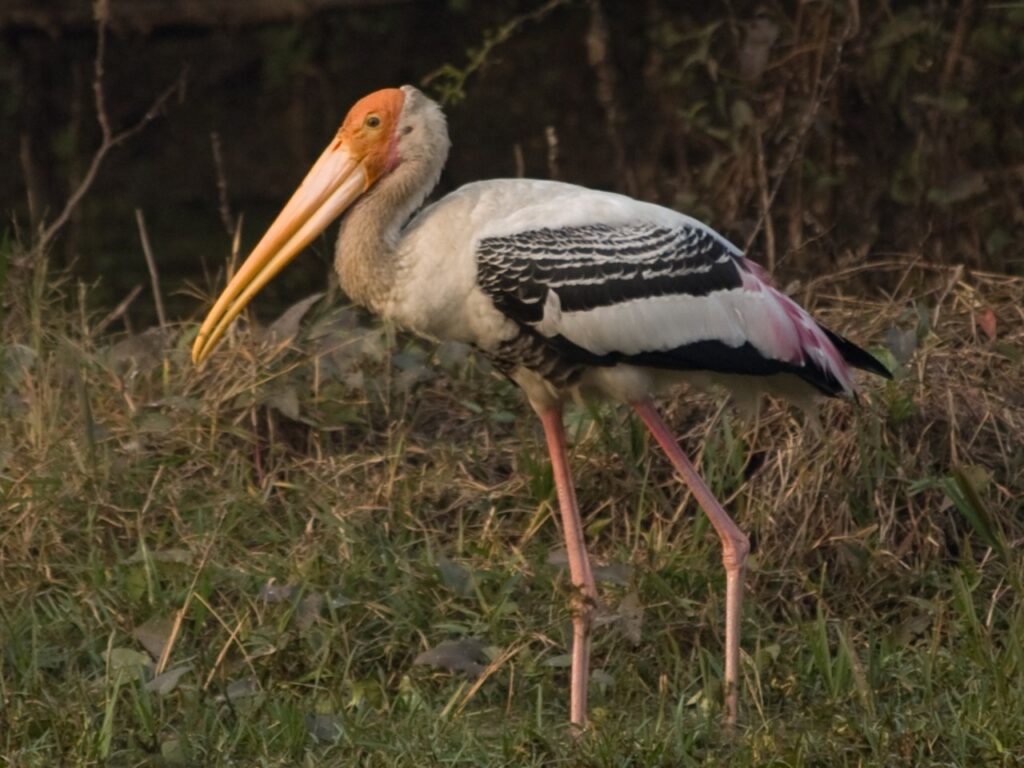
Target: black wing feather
856	356
598	265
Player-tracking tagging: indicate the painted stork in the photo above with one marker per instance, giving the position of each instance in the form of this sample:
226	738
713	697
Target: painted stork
569	291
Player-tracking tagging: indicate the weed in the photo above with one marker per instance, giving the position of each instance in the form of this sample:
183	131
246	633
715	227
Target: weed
243	564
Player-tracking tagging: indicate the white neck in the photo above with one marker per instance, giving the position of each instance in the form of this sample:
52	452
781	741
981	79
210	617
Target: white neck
368	255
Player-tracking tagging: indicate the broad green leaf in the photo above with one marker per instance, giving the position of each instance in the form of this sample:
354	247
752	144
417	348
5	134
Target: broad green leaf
464	655
165	683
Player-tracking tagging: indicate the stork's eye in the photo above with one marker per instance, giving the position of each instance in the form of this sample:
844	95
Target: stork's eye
373	121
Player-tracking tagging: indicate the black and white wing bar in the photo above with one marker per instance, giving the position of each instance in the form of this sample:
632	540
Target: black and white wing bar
667	297
599	265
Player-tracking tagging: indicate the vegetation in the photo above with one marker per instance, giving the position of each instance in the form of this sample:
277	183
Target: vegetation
336	544
890	130
243	563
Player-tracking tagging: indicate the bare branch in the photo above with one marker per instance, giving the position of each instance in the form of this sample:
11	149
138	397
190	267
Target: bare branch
222	183
154	276
781	169
102	9
118	311
110	139
551	137
28	171
762	184
55	17
598	40
451	81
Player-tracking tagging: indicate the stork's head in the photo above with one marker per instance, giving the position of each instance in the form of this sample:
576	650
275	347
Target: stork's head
381	132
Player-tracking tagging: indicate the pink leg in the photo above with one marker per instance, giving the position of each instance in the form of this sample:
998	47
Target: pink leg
735	547
579	566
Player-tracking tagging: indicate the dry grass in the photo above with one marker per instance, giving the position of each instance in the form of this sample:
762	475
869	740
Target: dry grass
389	506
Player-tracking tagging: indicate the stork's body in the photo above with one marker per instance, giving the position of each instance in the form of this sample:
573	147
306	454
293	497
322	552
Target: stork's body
568	290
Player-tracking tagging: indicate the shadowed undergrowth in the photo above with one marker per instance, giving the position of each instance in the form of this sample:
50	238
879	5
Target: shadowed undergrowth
259	560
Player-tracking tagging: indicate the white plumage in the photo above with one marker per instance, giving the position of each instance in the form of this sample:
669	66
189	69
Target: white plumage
438	292
570	291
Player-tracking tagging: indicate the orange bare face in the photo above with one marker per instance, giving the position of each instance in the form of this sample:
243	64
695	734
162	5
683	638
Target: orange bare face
369	131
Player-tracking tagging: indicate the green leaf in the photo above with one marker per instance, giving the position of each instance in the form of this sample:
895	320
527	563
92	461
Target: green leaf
901	408
287	325
181	556
951	103
241	689
172	751
964	494
325	728
561	661
997	240
959	189
464	655
742	114
631	618
455	577
168	681
154	634
129	661
284	400
154	422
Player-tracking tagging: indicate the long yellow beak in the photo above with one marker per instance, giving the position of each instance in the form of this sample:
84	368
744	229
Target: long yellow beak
332	185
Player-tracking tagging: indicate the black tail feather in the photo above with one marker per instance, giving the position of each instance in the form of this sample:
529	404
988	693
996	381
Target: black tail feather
856	356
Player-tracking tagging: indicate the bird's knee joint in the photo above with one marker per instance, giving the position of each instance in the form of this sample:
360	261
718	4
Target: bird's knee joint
583	605
734	554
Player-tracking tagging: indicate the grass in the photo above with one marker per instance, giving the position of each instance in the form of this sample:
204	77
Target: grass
243	565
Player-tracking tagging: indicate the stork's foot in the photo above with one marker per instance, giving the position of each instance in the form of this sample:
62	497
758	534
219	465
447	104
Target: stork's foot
582	623
735	549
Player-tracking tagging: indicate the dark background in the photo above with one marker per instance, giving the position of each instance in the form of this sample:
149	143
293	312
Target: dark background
915	150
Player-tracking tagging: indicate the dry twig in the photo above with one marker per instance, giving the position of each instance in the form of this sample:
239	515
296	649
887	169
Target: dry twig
117	311
110	138
598	44
154	276
223	204
781	169
551	137
451	81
